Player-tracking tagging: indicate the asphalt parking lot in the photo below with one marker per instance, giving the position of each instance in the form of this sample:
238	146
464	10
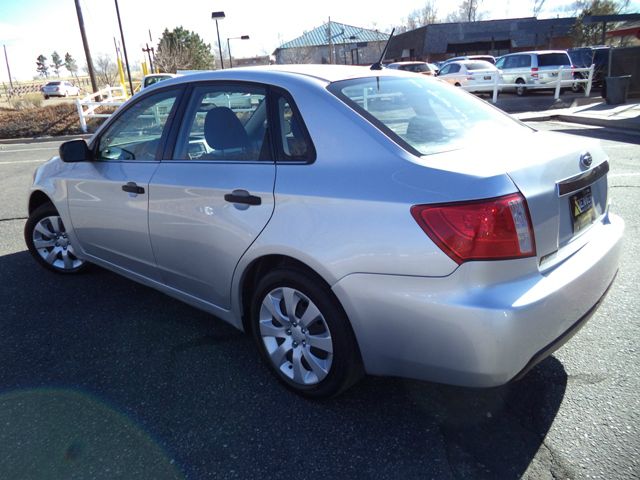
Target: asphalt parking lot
103	378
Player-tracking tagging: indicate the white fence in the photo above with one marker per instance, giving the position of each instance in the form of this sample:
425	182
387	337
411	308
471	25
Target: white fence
557	85
107	97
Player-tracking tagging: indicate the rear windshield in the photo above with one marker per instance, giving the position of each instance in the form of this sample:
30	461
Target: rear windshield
581	58
53	83
553	59
480	66
422	115
415	67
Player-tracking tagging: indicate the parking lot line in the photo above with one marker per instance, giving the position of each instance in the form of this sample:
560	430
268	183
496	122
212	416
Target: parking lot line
12	162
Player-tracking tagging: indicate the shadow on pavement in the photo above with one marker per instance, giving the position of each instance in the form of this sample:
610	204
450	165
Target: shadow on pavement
187	390
602	134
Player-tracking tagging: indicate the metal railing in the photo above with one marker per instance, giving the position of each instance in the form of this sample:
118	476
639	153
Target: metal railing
557	85
107	97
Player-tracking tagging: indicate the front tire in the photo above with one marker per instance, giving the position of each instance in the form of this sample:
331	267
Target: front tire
47	240
303	334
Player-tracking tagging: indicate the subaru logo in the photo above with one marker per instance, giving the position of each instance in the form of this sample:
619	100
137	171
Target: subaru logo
586	160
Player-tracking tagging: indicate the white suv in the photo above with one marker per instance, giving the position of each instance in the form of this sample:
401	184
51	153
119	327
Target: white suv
534	68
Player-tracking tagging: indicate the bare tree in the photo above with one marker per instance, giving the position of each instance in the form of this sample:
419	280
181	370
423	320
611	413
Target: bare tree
537	7
468	11
106	70
426	15
297	55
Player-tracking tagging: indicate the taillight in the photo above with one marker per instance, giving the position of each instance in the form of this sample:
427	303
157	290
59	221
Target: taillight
534	71
493	229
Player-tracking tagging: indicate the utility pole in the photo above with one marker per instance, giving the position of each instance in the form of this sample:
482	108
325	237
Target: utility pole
124	47
148	51
85	44
6	58
330	45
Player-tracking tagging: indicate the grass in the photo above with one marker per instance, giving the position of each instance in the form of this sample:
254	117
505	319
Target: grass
50	120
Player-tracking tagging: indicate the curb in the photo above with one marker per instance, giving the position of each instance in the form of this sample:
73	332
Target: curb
62	138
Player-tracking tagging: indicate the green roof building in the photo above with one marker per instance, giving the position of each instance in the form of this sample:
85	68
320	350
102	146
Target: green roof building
333	42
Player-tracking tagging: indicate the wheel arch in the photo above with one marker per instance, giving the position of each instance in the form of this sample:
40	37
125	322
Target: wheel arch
257	268
38	198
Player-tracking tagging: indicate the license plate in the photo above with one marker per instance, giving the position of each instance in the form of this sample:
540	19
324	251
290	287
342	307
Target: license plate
487	77
554	74
582	210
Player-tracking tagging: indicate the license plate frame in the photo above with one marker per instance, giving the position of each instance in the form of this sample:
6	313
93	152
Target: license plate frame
582	209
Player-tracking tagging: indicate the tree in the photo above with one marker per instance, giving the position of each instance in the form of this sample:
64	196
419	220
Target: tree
57	63
181	49
41	66
426	15
467	12
591	33
106	71
70	64
537	7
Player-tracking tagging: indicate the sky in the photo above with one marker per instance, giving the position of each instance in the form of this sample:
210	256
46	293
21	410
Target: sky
29	28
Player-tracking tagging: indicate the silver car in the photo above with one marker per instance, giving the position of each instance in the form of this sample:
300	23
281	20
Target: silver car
59	89
537	69
351	220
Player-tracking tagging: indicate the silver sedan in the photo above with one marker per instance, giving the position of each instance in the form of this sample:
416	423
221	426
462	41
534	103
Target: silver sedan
351	220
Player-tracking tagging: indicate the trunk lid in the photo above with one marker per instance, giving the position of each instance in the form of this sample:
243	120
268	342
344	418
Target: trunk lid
547	169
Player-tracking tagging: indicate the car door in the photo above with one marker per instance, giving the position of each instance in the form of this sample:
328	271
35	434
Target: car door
451	73
108	198
213	195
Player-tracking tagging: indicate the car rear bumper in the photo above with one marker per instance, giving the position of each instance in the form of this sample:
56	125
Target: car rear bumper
465	329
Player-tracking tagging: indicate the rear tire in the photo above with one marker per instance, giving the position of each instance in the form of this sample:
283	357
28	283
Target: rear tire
521	90
47	240
303	334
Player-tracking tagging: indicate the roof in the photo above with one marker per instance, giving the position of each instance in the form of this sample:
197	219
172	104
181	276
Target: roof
340	33
275	74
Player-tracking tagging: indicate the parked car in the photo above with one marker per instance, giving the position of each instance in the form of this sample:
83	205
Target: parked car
59	89
154	78
485	58
474	75
534	69
584	57
449	260
416	67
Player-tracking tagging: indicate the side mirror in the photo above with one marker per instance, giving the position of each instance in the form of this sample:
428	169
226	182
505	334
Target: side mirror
75	151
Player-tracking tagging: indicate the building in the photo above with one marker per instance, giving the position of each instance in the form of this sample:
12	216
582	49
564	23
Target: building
625	34
252	61
334	42
440	41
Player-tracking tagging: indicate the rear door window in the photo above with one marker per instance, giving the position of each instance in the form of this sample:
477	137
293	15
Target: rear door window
294	141
553	59
225	123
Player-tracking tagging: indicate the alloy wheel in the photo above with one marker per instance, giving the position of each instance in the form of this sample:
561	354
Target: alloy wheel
51	241
296	336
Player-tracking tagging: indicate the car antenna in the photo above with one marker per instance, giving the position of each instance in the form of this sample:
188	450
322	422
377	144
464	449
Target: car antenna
378	64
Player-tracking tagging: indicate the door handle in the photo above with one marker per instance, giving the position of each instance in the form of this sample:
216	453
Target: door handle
132	187
242	196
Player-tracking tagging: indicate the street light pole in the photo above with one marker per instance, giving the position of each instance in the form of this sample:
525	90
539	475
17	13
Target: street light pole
216	16
243	37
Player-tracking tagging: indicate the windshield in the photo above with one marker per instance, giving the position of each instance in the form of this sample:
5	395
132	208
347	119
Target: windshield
422	115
